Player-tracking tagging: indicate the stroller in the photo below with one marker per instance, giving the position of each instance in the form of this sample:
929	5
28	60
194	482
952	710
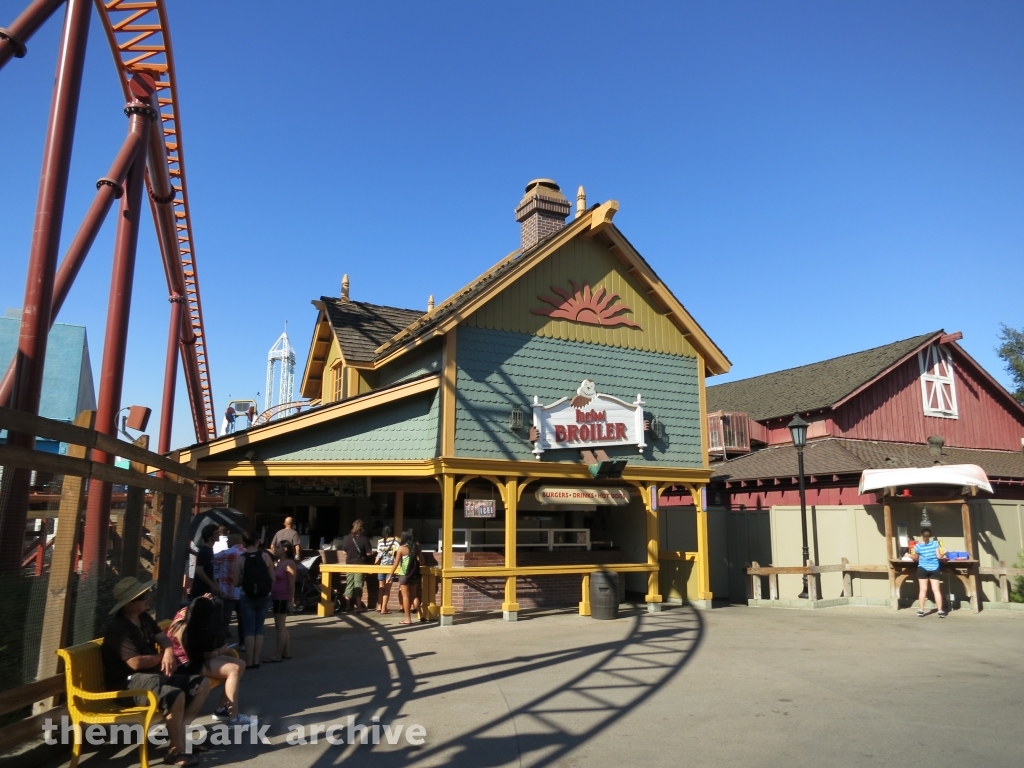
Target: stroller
307	586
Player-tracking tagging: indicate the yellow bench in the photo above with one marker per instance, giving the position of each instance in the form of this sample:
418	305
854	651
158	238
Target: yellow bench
89	704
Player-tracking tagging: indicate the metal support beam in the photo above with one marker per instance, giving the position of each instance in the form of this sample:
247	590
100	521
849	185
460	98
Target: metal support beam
36	308
170	374
14	39
108	189
115	342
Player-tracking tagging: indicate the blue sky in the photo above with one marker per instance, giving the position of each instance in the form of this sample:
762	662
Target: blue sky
810	179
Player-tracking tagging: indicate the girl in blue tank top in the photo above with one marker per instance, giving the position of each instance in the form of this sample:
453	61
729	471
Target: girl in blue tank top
928	554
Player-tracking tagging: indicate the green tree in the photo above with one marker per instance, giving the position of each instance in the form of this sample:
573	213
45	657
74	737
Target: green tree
1012	352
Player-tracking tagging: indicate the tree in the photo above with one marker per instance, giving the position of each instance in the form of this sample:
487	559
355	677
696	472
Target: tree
1012	352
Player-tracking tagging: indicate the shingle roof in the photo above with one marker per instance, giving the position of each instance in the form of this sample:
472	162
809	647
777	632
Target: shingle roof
361	327
837	456
809	387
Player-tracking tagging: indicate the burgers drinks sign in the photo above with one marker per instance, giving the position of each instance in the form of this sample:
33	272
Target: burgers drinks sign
587	421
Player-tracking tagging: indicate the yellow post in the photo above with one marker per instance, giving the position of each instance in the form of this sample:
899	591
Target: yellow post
703	564
510	608
326	607
653	596
585	602
447	526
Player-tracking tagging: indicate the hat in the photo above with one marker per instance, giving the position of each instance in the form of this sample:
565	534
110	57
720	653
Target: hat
127	589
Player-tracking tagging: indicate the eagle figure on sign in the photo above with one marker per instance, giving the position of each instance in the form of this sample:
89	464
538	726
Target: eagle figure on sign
586	392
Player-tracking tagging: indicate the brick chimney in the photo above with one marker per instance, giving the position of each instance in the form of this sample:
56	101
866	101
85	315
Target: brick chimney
541	212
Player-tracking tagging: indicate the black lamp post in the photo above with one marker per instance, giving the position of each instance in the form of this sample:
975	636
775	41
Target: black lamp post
798	429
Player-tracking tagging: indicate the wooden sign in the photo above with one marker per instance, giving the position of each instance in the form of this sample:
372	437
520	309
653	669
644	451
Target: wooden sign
588	420
607	497
478	508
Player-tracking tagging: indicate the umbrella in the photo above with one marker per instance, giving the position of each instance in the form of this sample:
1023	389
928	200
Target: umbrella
232	519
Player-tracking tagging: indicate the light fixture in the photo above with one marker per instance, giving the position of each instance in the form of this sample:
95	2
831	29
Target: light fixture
926	522
515	418
656	427
798	429
607	470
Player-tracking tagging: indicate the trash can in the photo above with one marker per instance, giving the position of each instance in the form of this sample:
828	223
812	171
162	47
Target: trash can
604	595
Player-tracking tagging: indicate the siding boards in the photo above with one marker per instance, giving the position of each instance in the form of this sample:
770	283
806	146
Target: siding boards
498	369
407	429
590	262
892	410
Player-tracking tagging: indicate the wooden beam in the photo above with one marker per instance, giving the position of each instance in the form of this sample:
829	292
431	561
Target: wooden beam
448	394
14	699
57	612
30	424
41	461
131	521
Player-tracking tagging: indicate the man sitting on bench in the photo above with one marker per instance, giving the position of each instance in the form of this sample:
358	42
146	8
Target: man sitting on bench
131	661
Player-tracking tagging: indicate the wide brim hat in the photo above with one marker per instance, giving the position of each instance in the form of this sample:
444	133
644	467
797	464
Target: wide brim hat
127	589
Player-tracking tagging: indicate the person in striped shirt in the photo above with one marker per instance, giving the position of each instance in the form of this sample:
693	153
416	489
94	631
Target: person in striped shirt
928	553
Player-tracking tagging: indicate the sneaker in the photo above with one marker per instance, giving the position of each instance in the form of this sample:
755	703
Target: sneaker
240	719
920	614
942	614
221	714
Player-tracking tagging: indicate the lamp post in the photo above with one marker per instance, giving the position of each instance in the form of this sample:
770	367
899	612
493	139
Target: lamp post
798	429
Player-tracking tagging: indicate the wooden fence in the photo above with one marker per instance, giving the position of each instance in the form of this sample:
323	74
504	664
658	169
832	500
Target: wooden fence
173	494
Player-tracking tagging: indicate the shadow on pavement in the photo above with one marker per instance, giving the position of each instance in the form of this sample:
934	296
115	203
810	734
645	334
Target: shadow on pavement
362	671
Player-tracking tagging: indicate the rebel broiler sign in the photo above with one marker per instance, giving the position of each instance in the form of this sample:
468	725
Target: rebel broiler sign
588	420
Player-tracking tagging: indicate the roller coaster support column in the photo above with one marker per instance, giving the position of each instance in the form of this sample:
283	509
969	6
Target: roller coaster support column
170	374
108	189
14	38
97	515
35	314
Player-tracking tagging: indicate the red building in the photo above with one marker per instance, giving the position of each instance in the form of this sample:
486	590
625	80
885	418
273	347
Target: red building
913	403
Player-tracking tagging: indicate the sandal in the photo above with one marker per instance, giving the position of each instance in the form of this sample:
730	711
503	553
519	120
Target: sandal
176	758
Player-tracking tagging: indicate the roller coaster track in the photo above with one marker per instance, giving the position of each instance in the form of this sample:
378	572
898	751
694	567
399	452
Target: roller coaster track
140	40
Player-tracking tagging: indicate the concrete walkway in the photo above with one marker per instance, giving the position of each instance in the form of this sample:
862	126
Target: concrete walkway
730	687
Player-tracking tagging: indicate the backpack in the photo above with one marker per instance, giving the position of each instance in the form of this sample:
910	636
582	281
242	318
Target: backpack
256	580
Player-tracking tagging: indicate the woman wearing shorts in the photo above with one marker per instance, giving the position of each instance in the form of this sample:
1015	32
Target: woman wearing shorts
282	596
386	548
927	552
407	566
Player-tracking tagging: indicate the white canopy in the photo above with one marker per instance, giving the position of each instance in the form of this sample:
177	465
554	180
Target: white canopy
969	475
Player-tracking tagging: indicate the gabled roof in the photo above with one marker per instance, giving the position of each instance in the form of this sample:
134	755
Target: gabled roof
839	456
595	222
812	387
361	327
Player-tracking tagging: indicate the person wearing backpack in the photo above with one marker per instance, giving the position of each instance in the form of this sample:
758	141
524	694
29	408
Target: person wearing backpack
254	573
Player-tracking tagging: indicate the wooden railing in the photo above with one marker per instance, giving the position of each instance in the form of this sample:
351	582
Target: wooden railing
1002	575
174	493
756	571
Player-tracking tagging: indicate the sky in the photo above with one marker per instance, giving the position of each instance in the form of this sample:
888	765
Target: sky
810	179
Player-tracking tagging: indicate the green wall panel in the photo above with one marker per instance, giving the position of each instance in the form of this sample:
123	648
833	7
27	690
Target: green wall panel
498	369
405	429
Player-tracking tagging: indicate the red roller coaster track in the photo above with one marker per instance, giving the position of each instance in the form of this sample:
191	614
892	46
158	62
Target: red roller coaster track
151	158
140	40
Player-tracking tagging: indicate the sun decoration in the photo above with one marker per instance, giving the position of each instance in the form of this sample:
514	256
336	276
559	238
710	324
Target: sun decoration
586	306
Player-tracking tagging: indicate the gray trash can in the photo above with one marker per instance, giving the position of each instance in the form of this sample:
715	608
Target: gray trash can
604	595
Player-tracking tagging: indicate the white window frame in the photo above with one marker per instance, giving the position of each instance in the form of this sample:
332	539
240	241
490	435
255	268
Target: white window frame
938	374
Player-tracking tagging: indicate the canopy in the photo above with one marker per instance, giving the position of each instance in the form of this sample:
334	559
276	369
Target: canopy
969	475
